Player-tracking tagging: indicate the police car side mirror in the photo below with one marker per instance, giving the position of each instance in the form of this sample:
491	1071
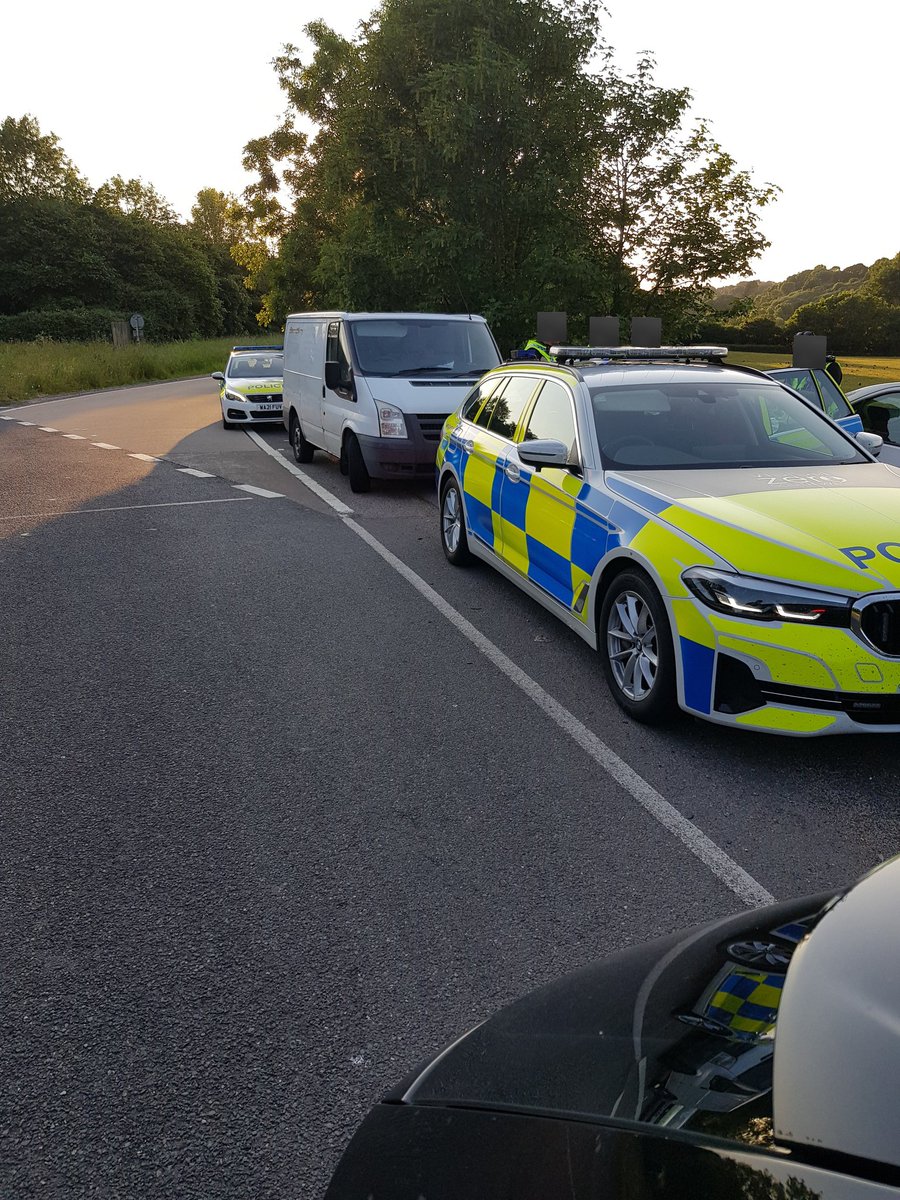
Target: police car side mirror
871	442
218	376
544	452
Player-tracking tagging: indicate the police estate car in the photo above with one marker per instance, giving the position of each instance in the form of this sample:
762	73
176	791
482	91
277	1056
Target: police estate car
724	545
250	389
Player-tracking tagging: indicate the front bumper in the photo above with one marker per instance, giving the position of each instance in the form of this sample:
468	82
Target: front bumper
412	457
249	413
782	677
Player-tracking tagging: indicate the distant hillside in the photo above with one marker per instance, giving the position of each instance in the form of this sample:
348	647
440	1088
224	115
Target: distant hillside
780	301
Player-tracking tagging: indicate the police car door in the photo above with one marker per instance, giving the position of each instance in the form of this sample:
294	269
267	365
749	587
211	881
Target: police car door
479	454
538	508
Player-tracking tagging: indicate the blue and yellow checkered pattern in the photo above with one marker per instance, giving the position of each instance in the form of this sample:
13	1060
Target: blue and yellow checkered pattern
746	1003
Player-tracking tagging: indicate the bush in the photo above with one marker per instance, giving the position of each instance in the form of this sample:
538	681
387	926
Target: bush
59	325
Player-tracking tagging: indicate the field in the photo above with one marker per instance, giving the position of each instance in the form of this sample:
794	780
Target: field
858	372
31	369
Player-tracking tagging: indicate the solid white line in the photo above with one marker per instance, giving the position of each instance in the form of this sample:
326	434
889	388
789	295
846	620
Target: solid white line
73	512
192	471
48	429
338	505
144	457
720	863
76	437
105	446
256	491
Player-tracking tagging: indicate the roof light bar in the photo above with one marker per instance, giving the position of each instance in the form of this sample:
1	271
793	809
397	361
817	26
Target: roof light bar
575	353
257	348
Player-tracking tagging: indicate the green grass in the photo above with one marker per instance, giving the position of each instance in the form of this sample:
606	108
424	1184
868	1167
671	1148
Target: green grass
858	372
32	369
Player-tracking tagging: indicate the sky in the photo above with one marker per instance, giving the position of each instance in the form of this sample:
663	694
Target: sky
803	93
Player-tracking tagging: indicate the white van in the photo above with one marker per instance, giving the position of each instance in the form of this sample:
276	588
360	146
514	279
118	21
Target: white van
374	389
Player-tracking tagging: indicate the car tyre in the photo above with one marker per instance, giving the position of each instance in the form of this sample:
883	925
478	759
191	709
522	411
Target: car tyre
636	650
303	450
360	480
453	525
227	424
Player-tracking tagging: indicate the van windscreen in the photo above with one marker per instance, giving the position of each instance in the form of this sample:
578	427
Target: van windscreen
409	346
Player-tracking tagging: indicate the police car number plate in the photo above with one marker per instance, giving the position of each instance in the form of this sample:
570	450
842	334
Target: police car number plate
269	407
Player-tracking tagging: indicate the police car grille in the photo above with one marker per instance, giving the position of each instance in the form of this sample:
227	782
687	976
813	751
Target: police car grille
430	425
880	624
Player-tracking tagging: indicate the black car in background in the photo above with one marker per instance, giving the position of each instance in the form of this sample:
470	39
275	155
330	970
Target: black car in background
657	1073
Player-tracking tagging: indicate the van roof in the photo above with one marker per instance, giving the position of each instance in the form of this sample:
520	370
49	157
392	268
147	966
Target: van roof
383	316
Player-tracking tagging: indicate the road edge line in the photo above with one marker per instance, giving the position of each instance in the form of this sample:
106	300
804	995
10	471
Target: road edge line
332	501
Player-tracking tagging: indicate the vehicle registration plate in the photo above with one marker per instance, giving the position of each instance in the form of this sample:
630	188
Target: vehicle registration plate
269	407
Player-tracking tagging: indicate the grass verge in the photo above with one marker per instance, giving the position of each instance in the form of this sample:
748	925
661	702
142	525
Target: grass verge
32	369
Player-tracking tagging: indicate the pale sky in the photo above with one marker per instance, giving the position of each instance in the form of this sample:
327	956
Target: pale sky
801	92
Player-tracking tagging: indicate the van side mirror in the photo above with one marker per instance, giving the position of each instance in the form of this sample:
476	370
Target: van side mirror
332	375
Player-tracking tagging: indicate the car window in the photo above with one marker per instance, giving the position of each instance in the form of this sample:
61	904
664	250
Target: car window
552	416
881	415
835	402
799	381
714	424
336	351
252	366
478	395
511	402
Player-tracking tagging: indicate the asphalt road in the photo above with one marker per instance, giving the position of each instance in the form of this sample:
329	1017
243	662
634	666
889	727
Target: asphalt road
274	829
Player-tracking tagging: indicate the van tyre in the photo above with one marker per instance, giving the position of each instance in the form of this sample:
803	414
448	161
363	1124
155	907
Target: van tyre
303	450
453	525
360	480
636	650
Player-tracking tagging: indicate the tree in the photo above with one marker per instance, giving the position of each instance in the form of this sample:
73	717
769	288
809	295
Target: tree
669	209
883	280
133	197
853	322
448	164
34	164
215	217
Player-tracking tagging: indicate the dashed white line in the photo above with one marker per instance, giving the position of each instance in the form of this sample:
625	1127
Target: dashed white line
6	417
193	471
73	512
257	491
144	457
338	505
47	429
27	422
75	437
105	446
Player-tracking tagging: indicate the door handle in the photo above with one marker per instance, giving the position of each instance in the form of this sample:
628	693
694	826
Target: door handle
468	445
512	471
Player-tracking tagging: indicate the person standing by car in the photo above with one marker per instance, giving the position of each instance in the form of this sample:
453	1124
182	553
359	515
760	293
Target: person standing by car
833	367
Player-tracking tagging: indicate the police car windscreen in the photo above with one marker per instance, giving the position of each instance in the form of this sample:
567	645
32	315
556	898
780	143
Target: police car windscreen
420	347
648	426
256	367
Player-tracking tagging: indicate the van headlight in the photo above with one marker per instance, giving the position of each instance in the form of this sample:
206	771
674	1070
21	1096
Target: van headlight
765	599
390	421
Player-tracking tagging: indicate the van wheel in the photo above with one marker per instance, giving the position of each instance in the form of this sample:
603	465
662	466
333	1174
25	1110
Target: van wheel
360	481
453	525
303	450
635	644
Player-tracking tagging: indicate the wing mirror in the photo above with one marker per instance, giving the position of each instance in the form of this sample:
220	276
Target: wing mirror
871	442
544	452
218	376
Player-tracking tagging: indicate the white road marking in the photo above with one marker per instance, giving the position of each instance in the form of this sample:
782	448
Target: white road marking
720	863
48	429
27	422
6	417
193	471
75	437
338	505
105	446
144	457
74	512
248	487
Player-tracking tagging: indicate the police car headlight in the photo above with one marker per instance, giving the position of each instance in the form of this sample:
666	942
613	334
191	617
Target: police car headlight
390	421
235	396
765	599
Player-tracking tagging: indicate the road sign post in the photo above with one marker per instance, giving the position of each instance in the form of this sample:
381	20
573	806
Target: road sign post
136	321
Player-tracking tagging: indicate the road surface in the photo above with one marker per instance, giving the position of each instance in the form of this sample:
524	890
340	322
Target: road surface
288	803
